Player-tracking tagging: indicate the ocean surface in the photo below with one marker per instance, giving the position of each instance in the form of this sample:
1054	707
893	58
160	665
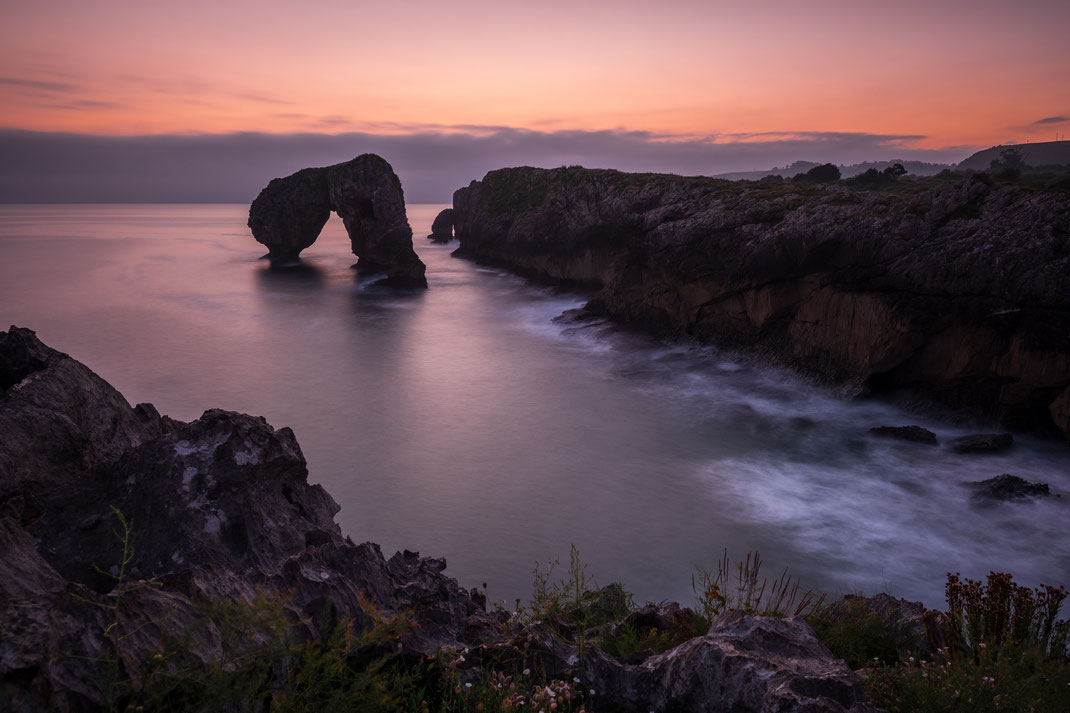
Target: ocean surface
465	422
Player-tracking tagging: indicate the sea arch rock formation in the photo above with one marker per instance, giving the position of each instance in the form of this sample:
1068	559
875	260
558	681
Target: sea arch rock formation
289	213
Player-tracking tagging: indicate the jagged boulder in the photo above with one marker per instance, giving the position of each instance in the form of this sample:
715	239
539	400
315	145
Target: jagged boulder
743	663
1008	487
288	215
442	227
221	509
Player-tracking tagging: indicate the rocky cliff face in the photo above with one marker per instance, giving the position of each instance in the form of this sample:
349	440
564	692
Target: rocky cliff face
958	293
221	510
288	215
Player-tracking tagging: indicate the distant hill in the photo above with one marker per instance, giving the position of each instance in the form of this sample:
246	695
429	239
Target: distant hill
918	168
1047	153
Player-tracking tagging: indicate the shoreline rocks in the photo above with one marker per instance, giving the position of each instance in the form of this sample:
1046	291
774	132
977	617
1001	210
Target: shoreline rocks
221	510
289	213
954	293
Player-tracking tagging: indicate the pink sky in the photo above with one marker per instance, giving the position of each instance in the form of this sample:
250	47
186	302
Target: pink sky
963	73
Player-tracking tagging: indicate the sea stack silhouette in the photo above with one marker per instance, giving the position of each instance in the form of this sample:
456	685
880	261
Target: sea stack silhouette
289	213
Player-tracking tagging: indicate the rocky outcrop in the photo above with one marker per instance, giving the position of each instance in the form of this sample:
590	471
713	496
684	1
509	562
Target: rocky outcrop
1008	487
955	293
442	227
743	663
220	510
288	215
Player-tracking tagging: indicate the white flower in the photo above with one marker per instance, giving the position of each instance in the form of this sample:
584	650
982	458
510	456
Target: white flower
575	680
468	685
527	672
592	691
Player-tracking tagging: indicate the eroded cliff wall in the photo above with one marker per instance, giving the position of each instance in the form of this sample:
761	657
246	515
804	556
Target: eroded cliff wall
956	292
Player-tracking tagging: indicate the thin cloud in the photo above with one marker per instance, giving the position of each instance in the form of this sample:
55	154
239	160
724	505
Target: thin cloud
1051	120
264	100
84	105
40	85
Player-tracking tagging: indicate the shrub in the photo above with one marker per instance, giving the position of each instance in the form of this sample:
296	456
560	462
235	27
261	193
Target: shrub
999	647
746	590
825	173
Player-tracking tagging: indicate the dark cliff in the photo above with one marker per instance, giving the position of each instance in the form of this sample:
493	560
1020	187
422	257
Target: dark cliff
957	293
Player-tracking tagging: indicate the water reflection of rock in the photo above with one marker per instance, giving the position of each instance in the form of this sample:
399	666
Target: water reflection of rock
303	276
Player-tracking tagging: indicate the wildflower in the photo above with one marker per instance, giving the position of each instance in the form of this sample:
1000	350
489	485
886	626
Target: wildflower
575	680
527	672
468	685
592	691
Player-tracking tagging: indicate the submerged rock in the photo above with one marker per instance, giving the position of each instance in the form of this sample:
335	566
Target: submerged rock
442	227
958	294
982	443
1008	487
288	215
915	434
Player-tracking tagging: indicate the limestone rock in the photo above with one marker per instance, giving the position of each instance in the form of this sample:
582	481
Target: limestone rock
220	507
288	215
958	294
442	227
744	663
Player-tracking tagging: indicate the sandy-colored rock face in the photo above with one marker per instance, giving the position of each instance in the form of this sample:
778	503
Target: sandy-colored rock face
959	293
288	215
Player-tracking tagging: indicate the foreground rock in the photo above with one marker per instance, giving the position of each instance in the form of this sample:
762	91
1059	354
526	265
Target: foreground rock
915	434
959	293
744	663
288	215
221	510
442	227
1008	487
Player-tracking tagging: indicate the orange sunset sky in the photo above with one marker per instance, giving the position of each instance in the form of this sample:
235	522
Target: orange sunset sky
958	73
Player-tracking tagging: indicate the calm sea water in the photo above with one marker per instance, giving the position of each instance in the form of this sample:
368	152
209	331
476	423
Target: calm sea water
464	422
